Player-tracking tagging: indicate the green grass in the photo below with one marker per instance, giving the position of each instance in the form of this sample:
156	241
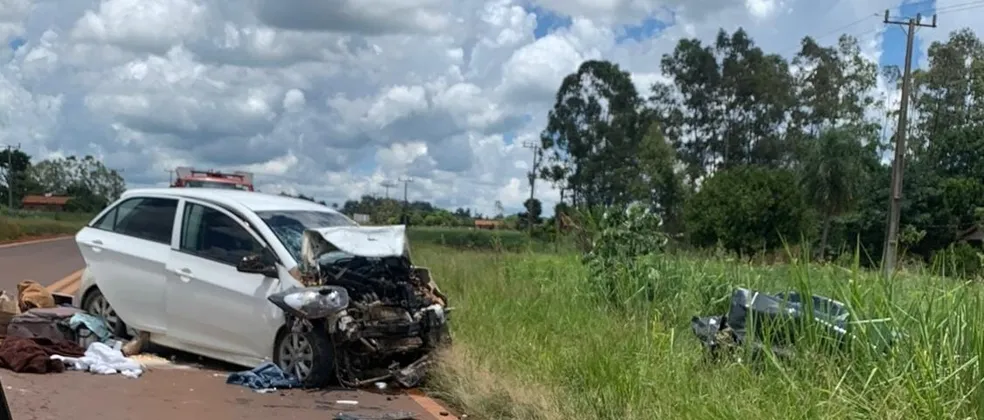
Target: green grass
534	340
21	224
477	239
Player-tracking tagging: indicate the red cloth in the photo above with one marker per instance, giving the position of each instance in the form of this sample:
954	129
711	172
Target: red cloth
33	355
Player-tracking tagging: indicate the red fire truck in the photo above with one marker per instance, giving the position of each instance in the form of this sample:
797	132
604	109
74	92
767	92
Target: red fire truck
191	178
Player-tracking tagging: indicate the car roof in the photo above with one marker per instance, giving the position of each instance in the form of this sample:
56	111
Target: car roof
255	201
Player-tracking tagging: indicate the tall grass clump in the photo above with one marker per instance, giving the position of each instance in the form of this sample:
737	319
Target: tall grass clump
555	336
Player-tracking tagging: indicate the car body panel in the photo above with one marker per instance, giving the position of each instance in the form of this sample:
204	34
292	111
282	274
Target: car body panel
131	272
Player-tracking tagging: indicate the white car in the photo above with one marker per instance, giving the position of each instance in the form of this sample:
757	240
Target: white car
196	268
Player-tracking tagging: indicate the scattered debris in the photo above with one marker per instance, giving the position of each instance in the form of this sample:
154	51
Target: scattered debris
8	304
137	344
773	320
265	376
31	294
104	360
33	354
399	415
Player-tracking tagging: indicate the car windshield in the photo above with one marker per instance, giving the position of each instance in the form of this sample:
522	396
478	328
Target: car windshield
213	184
289	225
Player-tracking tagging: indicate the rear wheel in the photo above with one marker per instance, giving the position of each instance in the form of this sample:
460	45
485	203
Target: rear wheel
95	303
306	354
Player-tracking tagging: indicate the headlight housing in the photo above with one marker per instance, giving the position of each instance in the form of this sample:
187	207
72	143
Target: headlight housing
312	302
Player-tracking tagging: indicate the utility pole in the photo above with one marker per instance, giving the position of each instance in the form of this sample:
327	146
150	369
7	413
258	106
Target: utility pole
387	185
10	174
890	254
532	176
406	203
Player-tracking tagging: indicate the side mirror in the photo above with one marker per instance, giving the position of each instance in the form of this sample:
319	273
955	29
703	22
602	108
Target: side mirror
262	263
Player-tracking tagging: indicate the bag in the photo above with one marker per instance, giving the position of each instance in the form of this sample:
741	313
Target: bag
51	323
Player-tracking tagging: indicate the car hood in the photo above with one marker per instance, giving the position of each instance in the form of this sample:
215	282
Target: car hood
362	241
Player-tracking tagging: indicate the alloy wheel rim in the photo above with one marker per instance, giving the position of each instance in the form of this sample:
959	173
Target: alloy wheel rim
296	355
99	306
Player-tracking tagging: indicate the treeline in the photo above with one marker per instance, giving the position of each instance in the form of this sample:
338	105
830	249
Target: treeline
741	149
89	183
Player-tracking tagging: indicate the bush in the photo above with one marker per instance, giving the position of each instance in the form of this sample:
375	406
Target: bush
623	236
958	260
748	209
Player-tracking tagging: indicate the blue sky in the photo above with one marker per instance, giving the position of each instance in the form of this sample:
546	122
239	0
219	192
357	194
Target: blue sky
893	53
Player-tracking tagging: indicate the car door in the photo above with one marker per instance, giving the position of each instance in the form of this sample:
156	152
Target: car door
126	251
210	303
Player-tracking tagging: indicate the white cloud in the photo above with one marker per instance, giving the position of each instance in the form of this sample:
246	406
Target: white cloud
333	97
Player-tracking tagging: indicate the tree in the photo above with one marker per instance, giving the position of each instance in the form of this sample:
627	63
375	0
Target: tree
659	185
71	174
15	165
831	176
592	134
748	209
534	209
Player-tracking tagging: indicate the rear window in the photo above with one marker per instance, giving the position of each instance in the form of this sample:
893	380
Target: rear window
149	218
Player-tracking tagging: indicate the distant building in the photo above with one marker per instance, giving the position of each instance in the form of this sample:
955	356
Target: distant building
45	202
974	236
360	218
487	224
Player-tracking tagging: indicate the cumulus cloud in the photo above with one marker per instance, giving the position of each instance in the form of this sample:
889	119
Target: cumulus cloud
333	97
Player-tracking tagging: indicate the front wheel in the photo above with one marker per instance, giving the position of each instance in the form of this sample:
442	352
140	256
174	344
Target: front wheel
307	355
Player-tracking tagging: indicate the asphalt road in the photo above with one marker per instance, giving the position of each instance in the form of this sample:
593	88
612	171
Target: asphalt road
45	262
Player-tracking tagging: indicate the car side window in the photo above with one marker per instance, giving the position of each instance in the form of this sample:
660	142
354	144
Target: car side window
208	233
147	218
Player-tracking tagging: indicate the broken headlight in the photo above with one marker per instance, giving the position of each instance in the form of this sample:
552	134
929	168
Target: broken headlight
312	302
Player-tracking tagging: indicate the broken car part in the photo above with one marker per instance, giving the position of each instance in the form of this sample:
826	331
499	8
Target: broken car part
367	315
758	320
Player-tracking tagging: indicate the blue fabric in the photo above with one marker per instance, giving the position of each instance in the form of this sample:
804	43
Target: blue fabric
92	323
265	376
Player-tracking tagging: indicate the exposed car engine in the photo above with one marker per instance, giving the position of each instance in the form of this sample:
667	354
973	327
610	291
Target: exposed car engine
382	316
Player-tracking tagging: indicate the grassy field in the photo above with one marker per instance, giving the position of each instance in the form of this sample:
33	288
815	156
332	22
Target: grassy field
19	224
534	339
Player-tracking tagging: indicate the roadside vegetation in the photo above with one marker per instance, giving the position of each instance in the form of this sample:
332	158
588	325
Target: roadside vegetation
739	168
21	224
547	336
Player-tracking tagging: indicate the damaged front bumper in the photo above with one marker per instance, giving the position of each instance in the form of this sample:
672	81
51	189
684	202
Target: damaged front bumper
383	316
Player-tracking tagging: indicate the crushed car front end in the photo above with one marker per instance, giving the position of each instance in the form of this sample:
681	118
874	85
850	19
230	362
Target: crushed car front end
381	317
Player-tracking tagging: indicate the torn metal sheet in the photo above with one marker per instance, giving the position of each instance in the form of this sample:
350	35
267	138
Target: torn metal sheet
362	241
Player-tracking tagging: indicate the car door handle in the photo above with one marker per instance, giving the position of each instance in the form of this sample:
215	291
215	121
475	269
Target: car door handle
186	270
184	276
97	242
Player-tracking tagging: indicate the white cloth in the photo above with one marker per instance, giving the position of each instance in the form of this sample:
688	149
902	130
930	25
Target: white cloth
104	360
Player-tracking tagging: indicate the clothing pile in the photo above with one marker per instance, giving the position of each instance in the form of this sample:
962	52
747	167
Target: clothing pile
40	337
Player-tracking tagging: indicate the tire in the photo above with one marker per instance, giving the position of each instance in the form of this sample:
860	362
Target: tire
317	365
96	304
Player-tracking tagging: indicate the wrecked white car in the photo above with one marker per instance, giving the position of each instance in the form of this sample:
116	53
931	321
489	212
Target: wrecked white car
246	278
